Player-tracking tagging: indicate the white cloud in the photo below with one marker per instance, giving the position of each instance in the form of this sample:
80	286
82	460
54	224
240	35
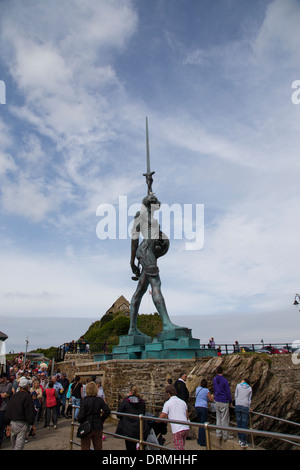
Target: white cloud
27	199
72	286
279	34
62	59
61	67
60	63
6	139
6	163
40	69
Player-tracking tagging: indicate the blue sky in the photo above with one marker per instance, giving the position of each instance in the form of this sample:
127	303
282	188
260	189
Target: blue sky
215	80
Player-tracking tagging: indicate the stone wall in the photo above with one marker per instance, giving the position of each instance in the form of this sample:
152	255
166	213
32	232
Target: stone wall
117	375
275	382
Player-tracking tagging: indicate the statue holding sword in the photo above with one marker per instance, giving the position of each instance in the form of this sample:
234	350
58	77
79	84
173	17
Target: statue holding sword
154	245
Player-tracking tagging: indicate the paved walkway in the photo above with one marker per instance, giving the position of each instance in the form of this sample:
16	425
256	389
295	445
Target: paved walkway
59	439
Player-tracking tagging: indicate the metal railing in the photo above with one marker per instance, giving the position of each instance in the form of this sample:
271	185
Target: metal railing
293	439
275	418
156	405
79	348
228	348
268	348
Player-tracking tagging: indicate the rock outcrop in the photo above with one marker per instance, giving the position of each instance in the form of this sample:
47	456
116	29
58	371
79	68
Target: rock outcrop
275	381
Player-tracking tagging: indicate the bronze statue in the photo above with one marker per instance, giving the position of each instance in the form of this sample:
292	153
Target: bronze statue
155	244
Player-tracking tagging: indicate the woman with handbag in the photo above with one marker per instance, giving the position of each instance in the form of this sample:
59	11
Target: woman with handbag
92	414
203	396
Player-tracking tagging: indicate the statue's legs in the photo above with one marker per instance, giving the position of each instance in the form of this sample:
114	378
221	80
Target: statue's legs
149	275
159	302
135	304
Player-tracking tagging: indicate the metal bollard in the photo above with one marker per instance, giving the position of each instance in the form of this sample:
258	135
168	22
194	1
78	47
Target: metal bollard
207	436
141	432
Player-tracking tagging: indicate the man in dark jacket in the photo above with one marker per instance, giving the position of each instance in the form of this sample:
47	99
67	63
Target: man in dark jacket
181	388
5	394
20	415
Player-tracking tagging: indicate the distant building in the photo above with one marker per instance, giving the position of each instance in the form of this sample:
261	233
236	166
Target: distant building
121	304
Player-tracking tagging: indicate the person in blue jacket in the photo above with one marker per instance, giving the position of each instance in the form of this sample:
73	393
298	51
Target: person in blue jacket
203	396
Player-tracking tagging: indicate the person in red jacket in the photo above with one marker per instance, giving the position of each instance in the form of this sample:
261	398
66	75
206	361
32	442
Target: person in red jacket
51	404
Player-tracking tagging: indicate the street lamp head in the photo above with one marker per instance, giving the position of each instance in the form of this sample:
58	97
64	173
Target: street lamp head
295	299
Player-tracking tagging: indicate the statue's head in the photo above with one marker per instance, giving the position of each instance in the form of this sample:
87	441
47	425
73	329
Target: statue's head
151	201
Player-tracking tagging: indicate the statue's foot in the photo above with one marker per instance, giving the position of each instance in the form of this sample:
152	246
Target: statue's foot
170	326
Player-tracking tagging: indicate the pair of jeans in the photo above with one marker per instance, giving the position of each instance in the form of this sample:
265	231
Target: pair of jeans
76	402
63	404
202	414
242	421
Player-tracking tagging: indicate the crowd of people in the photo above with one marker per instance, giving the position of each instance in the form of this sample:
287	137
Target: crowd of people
221	399
31	395
81	346
177	407
212	345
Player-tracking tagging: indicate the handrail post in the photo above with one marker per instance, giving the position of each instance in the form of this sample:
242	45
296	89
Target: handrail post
141	432
207	436
250	427
72	430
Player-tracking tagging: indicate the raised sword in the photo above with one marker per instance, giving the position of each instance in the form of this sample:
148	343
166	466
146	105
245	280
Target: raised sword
149	179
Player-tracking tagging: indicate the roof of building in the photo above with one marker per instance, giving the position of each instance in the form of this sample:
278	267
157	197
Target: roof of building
3	336
120	304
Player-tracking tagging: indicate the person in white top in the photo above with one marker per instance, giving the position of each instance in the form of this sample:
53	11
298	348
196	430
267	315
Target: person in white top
100	393
176	409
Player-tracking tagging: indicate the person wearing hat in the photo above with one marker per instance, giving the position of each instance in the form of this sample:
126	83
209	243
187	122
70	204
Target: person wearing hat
5	394
20	415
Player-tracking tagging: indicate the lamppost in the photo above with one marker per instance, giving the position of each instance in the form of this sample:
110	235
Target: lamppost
26	341
297	296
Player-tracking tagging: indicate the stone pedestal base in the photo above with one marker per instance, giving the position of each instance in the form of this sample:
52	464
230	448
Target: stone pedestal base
174	343
129	340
